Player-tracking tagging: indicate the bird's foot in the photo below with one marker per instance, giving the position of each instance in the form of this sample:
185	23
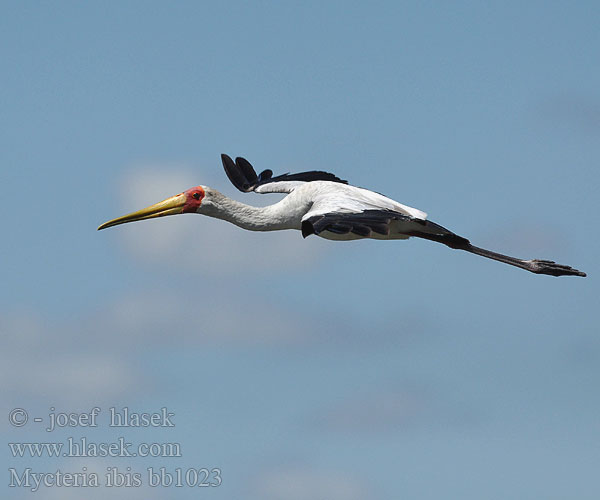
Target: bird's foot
552	268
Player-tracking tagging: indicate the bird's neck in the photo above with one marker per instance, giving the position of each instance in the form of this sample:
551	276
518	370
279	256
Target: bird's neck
269	218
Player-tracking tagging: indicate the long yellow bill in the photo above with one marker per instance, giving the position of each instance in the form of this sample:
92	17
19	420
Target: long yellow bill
170	206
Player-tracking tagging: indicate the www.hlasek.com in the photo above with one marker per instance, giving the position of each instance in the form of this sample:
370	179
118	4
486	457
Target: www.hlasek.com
82	447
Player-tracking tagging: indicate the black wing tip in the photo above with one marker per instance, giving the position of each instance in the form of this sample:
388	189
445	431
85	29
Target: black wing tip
242	175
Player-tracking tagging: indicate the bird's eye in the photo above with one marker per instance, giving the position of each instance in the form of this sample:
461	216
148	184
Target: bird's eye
196	196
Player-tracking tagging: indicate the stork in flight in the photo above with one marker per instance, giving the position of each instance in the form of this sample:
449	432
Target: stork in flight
322	204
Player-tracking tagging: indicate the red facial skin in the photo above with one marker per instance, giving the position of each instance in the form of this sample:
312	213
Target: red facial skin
193	199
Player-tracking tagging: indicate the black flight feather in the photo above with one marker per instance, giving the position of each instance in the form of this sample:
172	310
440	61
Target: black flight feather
243	176
378	221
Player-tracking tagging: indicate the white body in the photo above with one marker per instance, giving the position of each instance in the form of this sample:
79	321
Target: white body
305	200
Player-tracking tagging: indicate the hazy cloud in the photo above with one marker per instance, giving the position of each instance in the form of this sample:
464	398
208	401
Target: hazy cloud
200	317
301	483
577	111
50	362
88	358
199	243
528	239
393	408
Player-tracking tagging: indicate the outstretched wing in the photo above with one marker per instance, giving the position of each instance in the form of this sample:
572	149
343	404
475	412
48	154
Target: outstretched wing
362	223
381	222
243	176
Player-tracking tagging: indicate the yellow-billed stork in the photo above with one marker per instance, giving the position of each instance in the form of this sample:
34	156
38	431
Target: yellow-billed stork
322	204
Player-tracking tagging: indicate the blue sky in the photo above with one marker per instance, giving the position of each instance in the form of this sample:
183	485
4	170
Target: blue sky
304	368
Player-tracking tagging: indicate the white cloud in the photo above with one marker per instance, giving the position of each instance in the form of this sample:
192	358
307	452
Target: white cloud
199	243
87	359
526	238
301	483
380	410
398	407
580	111
42	361
213	315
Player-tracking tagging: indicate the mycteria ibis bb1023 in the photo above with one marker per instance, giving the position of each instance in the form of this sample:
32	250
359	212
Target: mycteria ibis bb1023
322	204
